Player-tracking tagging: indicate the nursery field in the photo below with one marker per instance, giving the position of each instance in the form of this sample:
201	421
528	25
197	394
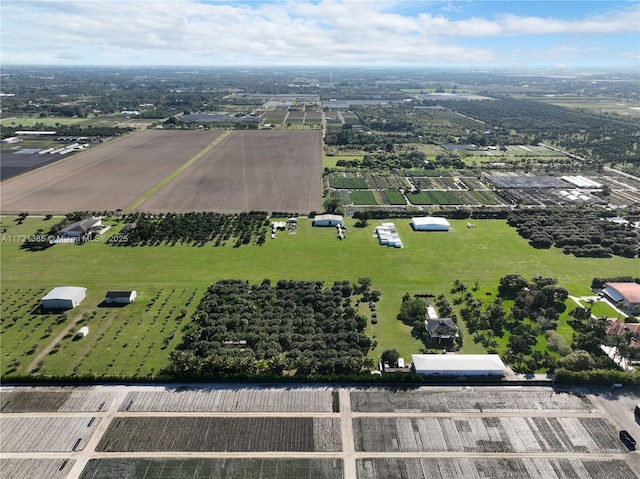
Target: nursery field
45	434
230	434
232	400
71	400
30	468
481	468
486	435
263	468
190	431
481	400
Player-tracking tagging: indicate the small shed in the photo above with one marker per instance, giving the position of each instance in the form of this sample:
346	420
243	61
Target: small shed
82	332
327	220
120	296
63	297
429	223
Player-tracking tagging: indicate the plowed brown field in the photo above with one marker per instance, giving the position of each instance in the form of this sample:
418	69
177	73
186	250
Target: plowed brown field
249	170
108	177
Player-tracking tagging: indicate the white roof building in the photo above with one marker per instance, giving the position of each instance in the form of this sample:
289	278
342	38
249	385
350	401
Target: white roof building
430	223
63	297
458	364
327	220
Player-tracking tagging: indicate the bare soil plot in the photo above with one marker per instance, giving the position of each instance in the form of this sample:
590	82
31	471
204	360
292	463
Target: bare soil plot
108	177
480	468
468	401
235	434
266	170
230	400
45	434
486	435
30	468
53	401
219	468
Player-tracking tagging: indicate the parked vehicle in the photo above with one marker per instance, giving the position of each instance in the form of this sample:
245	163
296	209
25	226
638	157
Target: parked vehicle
628	440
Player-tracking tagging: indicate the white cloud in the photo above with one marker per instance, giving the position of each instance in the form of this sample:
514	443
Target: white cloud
296	32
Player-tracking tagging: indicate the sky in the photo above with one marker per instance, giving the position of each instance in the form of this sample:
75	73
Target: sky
518	34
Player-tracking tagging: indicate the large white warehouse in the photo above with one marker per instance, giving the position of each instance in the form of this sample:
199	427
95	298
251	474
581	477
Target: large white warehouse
458	364
429	223
63	297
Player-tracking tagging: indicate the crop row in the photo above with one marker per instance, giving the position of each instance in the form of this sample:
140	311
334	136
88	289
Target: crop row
230	400
386	182
363	198
477	400
30	468
45	434
219	468
480	468
54	401
348	183
235	434
486	434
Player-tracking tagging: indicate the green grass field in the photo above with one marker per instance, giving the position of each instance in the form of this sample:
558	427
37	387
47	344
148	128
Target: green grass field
27	121
428	263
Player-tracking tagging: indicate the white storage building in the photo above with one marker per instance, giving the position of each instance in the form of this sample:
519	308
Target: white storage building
327	220
429	223
455	365
63	297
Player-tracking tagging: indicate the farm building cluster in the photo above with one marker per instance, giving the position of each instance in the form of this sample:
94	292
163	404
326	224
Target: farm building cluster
68	297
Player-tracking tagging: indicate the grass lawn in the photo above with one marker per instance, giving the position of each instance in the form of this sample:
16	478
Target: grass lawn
601	309
330	161
428	263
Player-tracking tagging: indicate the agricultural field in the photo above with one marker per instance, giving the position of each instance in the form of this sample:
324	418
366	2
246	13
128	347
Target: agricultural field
465	434
482	400
140	335
107	177
241	399
46	434
230	434
70	400
30	468
433	197
481	468
293	432
150	270
363	197
263	468
249	171
393	197
160	171
386	182
348	182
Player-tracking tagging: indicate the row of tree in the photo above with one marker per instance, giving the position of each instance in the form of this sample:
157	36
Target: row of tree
194	228
581	232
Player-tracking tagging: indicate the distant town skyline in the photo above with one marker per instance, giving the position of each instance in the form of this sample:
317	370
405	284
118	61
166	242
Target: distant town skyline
569	35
